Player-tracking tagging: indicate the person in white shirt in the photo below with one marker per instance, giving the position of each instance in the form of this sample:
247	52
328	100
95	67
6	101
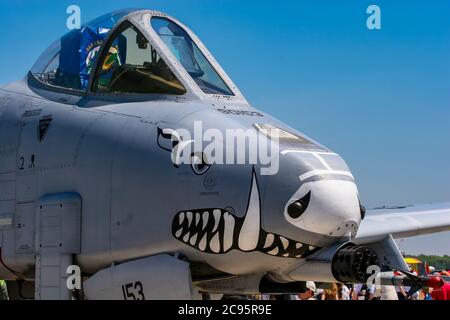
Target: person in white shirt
343	291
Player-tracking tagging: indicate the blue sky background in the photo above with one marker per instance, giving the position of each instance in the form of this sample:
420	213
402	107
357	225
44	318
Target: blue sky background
379	98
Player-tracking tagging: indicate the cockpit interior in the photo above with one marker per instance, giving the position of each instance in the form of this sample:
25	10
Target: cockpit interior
116	55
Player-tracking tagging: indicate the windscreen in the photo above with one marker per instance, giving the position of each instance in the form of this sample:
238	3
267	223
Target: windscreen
190	56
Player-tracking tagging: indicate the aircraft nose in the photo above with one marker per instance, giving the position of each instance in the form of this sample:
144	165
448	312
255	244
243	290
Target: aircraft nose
328	207
326	201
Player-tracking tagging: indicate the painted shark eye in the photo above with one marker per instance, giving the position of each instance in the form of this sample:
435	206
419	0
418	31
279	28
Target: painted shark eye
297	208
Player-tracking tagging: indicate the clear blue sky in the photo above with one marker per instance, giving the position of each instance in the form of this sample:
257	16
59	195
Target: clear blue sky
379	98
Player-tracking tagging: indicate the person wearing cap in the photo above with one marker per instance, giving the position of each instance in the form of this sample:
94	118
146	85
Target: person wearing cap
310	291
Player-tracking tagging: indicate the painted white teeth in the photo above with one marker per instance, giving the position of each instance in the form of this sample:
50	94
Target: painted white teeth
197	218
269	240
228	231
205	219
285	242
193	239
191	222
215	245
189	217
181	218
202	244
216	219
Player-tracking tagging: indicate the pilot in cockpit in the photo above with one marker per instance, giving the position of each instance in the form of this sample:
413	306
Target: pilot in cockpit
125	61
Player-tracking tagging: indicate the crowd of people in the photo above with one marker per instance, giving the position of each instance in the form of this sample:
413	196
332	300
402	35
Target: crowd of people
339	291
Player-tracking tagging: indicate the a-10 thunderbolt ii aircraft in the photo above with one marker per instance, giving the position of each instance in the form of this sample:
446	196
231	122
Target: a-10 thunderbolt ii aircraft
95	205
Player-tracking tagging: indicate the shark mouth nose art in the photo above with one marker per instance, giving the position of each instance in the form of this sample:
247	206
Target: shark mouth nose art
217	231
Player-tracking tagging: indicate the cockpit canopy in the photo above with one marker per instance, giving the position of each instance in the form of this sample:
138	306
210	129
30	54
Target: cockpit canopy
131	52
68	62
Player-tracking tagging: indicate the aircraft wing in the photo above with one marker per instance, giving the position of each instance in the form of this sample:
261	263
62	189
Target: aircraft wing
404	222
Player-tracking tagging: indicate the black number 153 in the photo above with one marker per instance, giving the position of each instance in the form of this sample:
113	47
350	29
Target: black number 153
133	291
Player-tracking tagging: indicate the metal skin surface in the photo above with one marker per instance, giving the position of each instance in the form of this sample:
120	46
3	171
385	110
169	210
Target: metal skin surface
136	203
